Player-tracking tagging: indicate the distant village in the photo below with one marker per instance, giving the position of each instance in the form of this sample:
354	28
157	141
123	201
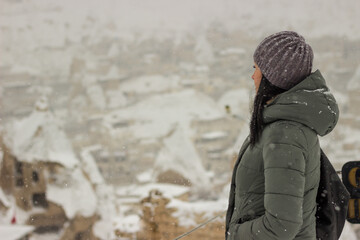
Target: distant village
135	138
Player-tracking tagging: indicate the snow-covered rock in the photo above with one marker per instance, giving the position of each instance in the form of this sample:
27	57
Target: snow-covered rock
116	99
128	224
180	155
238	100
169	117
354	82
105	195
113	73
152	83
25	70
156	116
144	176
203	51
76	196
113	50
96	95
39	137
214	135
89	165
3	199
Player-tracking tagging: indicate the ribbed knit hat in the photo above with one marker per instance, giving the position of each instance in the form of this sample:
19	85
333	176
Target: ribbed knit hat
284	58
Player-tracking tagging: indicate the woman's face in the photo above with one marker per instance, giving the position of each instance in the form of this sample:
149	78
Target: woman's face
257	76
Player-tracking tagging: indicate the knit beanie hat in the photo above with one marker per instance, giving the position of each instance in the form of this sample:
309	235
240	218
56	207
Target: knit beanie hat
284	58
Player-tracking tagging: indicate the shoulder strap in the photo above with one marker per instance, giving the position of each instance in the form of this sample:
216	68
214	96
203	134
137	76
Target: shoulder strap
332	202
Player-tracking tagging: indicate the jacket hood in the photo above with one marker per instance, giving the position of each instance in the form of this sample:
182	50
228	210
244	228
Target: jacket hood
309	103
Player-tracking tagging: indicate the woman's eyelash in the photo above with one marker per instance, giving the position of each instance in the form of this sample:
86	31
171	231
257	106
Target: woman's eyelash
254	66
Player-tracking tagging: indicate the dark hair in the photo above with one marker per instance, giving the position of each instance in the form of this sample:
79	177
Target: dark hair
265	92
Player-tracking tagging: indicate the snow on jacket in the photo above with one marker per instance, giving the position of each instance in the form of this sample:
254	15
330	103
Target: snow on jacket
274	184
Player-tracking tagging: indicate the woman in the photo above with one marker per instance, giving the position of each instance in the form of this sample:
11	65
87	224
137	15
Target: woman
276	177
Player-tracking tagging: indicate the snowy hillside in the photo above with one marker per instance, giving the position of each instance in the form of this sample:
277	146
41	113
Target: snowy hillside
132	91
155	117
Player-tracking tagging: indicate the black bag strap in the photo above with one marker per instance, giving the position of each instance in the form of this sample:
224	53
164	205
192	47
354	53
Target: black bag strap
332	202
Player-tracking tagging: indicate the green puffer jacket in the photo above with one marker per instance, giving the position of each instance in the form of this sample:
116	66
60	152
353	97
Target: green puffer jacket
274	184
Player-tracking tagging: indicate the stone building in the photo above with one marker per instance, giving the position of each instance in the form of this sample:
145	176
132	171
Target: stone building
41	173
24	180
27	183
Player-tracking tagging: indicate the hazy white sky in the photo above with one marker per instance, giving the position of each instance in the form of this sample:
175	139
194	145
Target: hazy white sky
258	17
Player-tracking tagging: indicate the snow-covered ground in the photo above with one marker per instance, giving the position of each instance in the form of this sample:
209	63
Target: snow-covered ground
11	232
